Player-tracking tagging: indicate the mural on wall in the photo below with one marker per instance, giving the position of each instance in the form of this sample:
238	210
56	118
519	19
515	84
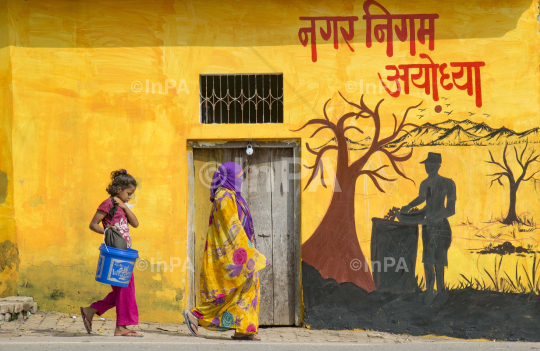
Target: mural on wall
514	179
435	265
439	195
386	293
335	242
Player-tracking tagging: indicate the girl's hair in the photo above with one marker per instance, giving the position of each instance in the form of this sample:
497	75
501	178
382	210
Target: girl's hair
120	180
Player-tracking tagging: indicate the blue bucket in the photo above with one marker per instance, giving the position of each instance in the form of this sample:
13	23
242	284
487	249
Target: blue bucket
115	266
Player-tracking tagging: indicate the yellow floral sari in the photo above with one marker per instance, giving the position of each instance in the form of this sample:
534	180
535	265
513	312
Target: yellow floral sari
230	288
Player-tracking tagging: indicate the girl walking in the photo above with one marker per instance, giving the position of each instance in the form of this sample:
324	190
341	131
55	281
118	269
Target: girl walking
115	212
230	288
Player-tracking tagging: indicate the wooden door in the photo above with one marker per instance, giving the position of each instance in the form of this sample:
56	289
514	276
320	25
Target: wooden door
268	189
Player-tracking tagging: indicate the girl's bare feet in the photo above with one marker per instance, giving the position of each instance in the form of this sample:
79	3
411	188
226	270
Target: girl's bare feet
121	330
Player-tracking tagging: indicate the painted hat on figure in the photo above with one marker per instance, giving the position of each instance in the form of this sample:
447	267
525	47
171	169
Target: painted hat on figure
433	157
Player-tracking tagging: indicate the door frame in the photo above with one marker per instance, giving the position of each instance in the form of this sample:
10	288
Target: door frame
294	144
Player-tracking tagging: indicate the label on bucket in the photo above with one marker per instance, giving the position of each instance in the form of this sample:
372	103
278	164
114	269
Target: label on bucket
120	271
99	271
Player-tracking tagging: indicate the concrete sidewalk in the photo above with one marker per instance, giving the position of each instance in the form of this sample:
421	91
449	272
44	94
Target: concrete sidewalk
48	325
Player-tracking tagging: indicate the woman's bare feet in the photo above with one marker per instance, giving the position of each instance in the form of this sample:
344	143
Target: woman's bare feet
121	330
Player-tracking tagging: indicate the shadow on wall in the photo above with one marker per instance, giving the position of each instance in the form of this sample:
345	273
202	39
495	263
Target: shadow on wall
66	288
9	267
57	24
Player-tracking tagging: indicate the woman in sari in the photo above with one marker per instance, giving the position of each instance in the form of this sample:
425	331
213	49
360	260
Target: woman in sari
230	288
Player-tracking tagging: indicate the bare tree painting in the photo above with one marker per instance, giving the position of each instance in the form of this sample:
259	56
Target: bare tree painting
514	179
334	244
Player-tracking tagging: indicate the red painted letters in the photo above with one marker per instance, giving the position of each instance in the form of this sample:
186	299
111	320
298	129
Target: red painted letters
430	84
331	24
386	30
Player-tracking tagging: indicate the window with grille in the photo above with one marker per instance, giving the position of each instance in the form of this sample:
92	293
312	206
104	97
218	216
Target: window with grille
241	98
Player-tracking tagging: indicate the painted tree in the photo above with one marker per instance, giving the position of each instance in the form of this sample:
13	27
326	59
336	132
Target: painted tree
514	180
333	249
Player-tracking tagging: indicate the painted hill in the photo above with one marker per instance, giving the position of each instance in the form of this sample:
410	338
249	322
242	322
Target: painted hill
498	134
451	123
480	129
457	135
463	133
426	132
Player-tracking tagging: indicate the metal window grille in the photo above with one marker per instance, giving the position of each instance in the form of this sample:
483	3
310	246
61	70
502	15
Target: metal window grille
241	98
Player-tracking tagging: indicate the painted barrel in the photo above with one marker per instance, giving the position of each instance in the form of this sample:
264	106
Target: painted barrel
394	247
115	266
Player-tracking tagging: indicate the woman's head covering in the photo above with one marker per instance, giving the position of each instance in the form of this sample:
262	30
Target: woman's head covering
230	175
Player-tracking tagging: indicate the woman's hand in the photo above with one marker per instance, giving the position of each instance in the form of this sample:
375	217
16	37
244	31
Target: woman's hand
120	203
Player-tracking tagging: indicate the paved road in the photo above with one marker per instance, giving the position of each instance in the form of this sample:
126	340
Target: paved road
57	331
222	344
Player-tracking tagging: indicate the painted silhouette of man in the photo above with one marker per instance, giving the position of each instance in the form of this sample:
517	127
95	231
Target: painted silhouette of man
436	231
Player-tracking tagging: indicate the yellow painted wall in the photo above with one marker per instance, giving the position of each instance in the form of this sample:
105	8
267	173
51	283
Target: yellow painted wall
9	256
76	118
